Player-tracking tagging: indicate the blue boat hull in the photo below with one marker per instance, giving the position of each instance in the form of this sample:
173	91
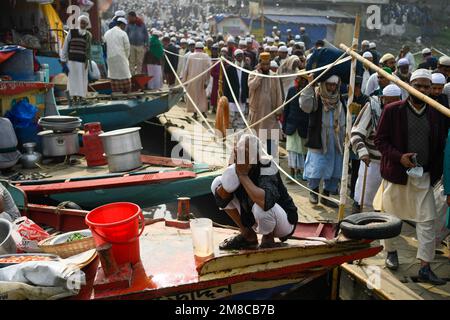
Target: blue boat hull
121	114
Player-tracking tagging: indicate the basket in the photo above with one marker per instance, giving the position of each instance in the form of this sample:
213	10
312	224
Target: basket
68	249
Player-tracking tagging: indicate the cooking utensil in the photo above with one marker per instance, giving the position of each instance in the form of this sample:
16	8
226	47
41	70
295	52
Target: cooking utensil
124	161
7	243
30	158
59	144
121	141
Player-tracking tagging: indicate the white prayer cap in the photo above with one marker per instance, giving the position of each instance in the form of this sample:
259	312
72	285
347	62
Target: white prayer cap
365	43
183	40
238	51
84	18
292	42
288	30
281	44
273	64
242	43
444	61
269	39
123	20
372	45
230	40
403	62
252	36
438	78
209	39
392	90
332	79
426	51
274	27
249	40
190	41
221	42
277	38
173	39
421	74
119	13
274	49
297	37
283	49
386	57
367	55
199	45
224	49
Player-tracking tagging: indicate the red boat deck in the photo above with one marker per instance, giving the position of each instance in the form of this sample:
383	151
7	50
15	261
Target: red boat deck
169	268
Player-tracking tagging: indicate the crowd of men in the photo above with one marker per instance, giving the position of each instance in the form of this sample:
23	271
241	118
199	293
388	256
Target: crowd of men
397	140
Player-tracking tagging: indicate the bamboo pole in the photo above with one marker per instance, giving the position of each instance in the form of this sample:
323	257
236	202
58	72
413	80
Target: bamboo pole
433	103
344	179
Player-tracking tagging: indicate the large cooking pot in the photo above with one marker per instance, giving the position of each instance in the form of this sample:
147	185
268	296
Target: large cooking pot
59	144
7	243
124	161
121	141
122	149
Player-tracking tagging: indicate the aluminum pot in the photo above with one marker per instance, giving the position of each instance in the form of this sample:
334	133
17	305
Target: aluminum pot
59	144
121	141
124	161
7	243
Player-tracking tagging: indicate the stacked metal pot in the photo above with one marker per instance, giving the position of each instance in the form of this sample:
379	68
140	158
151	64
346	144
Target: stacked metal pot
122	149
60	137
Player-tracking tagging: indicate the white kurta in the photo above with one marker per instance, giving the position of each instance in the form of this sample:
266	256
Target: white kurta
373	181
197	63
77	82
118	52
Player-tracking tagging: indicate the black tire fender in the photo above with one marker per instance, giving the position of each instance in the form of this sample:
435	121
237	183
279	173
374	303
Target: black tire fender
371	226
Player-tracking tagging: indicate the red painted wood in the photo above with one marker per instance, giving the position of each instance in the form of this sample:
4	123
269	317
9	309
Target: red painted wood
18	87
106	183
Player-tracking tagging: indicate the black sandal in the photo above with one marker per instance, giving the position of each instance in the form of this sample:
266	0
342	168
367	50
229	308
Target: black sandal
238	242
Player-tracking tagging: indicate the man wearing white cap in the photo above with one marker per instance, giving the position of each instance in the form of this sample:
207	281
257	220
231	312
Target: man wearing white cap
239	86
363	145
388	60
250	53
437	89
429	62
118	52
182	52
76	53
367	71
273	52
411	138
197	63
118	14
289	36
365	44
282	55
373	50
403	72
444	67
325	142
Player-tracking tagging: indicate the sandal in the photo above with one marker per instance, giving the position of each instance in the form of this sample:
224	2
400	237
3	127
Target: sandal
238	242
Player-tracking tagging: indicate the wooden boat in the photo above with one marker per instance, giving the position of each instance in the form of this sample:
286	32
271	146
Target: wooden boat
169	271
157	181
128	111
138	82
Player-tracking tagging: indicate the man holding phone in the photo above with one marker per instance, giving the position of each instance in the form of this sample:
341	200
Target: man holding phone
411	139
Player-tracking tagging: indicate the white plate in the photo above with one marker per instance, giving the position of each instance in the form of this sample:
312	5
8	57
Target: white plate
62	238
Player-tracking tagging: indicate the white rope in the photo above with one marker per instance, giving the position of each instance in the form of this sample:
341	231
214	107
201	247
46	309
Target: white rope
302	73
180	56
294	97
189	97
262	145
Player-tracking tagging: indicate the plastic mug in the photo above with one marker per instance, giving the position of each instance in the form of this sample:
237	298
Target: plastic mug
202	237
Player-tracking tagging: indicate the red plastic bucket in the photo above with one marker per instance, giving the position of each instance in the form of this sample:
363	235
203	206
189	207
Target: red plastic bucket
118	224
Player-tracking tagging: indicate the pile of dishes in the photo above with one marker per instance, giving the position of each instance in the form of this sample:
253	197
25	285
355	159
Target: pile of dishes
60	135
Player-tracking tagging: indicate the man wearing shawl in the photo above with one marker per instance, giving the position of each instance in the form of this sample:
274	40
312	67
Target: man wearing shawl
118	51
75	56
325	140
264	97
197	63
288	66
154	60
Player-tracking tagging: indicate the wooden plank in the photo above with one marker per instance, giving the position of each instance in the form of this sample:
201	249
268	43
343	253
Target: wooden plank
165	162
390	288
